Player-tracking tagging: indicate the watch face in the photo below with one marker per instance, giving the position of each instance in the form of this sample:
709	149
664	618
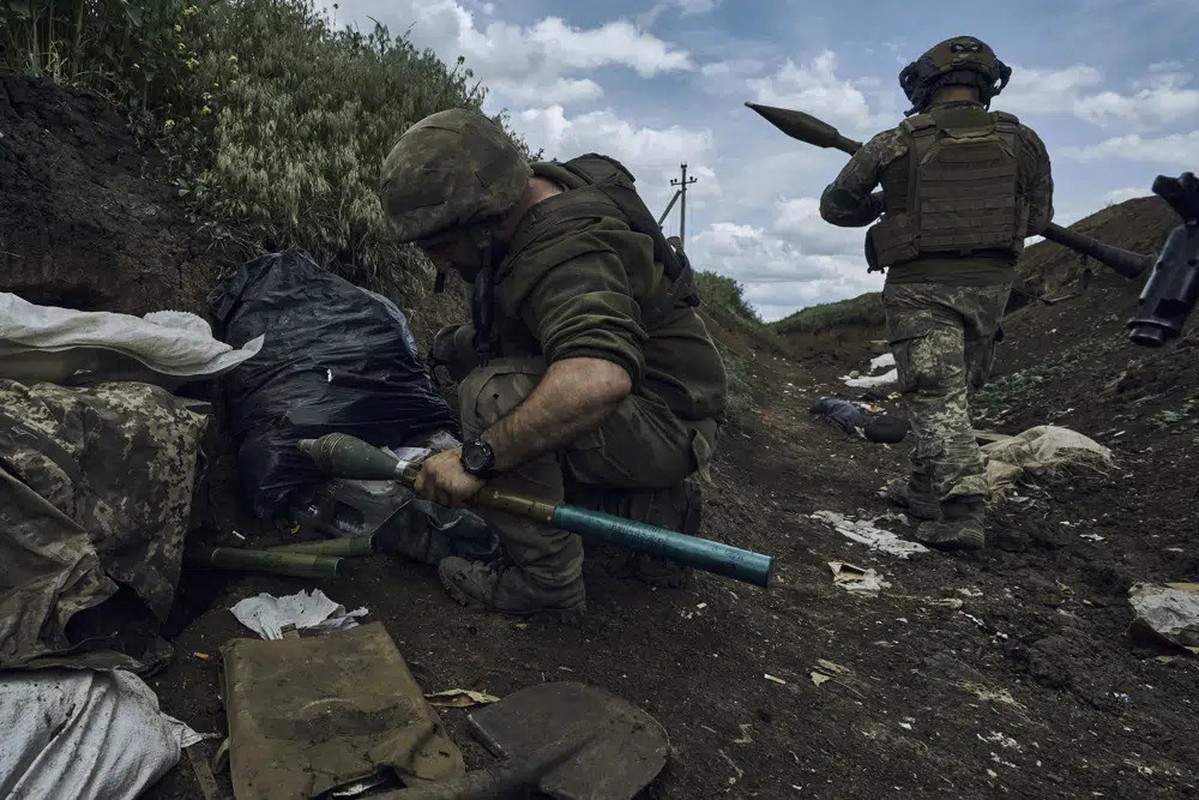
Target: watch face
473	455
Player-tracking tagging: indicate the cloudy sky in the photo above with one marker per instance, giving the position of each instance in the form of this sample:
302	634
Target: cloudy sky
1110	85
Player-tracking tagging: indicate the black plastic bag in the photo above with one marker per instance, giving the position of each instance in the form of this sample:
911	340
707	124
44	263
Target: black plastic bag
336	358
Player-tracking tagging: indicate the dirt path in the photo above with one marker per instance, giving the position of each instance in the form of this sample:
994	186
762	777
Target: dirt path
1002	674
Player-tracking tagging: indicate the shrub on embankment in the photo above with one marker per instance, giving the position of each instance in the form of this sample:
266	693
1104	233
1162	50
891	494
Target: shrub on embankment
275	123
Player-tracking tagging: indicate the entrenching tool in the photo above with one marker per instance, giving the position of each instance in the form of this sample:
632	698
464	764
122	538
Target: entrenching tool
344	456
566	740
807	128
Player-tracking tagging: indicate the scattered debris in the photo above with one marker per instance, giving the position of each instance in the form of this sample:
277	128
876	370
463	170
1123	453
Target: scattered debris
770	677
266	614
460	698
866	533
857	580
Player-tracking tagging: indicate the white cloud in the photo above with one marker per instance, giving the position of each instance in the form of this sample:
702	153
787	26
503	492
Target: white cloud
799	261
1165	96
653	155
686	8
1125	193
799	219
525	63
1178	149
815	87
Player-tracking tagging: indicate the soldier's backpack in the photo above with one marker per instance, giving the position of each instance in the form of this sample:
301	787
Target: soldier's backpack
615	180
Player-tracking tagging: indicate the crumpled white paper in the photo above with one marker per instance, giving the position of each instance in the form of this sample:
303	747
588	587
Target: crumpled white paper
266	614
865	532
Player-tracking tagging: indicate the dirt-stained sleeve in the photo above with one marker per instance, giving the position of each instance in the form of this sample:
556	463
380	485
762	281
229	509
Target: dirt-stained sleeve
848	201
584	307
1040	184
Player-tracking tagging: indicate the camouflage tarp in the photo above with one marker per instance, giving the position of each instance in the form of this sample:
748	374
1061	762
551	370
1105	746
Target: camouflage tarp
96	490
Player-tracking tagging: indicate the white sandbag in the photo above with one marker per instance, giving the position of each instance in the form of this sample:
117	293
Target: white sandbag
55	344
84	734
1039	454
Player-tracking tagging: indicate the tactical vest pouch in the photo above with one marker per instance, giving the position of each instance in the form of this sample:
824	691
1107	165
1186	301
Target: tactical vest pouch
963	194
893	239
610	176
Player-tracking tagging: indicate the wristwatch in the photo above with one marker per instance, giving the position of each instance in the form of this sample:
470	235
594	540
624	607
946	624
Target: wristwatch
478	458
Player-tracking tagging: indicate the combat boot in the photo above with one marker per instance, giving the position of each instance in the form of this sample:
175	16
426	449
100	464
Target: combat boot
502	586
915	493
960	526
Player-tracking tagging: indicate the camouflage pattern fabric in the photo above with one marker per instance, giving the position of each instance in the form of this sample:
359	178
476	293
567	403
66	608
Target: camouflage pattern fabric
848	202
96	490
635	465
943	340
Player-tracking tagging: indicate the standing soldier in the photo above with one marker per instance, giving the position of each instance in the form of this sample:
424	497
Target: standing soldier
586	373
961	189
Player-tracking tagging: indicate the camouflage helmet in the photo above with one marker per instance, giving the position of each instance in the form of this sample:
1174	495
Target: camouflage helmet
960	60
452	168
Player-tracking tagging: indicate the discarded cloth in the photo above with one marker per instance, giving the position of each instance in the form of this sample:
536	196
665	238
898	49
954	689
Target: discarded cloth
266	614
847	416
96	488
85	735
311	714
1039	454
69	347
854	420
871	380
338	359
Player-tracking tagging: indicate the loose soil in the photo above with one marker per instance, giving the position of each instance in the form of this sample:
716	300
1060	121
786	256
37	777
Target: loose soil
1006	673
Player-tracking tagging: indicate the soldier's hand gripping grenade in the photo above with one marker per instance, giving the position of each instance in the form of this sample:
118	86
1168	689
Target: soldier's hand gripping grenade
1172	290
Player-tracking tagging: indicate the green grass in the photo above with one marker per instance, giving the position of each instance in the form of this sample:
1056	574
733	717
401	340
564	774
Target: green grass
726	294
275	124
863	310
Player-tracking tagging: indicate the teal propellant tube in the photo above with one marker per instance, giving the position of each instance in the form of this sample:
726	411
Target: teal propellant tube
345	456
705	554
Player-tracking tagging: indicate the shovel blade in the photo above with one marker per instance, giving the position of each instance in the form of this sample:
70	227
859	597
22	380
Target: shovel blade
626	751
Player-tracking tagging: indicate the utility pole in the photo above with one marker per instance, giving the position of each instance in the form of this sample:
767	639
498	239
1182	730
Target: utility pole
682	195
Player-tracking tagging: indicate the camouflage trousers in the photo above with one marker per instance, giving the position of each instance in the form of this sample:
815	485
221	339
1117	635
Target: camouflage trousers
943	340
635	465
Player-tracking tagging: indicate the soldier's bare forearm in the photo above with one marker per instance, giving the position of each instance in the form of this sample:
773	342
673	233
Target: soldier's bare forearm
573	398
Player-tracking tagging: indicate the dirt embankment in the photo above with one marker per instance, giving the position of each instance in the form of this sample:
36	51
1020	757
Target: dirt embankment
1008	673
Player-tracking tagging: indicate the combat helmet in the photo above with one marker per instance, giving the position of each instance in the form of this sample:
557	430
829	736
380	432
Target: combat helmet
958	61
454	168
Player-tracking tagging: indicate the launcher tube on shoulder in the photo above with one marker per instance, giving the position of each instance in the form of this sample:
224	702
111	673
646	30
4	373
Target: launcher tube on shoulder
1172	290
815	131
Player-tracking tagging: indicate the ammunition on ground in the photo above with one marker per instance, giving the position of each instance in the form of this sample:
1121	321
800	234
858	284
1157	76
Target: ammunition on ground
343	456
347	546
276	562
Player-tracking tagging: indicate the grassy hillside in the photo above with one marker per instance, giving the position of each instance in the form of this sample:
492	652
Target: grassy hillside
863	311
274	122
